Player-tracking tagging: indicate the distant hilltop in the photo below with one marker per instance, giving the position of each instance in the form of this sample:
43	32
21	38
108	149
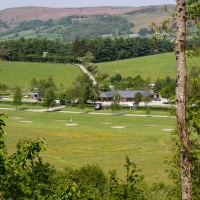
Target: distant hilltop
45	13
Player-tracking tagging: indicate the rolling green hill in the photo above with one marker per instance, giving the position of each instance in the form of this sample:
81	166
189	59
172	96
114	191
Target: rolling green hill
160	65
21	73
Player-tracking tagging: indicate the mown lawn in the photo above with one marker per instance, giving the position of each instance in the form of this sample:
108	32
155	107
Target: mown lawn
93	140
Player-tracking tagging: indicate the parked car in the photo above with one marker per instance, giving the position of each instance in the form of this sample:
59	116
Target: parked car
98	106
57	102
157	99
27	96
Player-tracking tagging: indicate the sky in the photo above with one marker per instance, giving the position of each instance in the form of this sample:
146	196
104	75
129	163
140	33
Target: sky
80	3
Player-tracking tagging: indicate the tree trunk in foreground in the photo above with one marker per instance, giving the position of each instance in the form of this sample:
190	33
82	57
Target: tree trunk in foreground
181	99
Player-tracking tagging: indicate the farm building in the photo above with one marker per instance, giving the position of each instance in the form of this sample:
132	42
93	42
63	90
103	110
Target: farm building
126	95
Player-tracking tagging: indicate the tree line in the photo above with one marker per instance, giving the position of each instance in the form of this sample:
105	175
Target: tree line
103	49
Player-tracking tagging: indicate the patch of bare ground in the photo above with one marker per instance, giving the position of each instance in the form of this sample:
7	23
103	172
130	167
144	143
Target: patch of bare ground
16	117
118	127
105	123
71	124
167	129
26	121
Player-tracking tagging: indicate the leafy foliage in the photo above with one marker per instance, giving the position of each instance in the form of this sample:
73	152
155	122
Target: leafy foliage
138	98
115	105
17	100
130	188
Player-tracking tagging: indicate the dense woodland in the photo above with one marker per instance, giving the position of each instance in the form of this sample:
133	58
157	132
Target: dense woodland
103	49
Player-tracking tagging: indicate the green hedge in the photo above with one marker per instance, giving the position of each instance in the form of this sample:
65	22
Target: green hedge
74	105
154	108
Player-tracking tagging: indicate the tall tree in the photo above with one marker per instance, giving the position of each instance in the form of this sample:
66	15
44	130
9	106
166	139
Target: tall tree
181	80
50	96
115	105
81	94
84	82
138	98
180	17
17	100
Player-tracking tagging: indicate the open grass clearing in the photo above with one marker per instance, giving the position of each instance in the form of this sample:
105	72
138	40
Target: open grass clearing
21	73
92	142
160	65
154	66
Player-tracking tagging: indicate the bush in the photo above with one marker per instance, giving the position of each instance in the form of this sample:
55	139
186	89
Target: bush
91	181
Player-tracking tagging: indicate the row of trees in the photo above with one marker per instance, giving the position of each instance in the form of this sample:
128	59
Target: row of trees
103	49
82	89
44	87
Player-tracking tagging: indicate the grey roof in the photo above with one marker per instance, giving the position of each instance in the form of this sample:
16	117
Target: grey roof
125	93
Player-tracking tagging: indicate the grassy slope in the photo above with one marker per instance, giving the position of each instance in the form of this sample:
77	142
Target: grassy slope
21	73
160	65
93	142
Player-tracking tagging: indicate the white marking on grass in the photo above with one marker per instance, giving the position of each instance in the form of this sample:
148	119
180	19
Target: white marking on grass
167	129
71	124
118	127
105	123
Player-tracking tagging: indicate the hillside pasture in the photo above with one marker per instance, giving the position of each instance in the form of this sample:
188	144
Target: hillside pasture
154	66
21	73
94	140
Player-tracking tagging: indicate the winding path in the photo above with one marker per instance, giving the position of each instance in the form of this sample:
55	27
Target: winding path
86	72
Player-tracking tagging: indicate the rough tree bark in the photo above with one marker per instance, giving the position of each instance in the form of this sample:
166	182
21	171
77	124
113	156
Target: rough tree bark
181	99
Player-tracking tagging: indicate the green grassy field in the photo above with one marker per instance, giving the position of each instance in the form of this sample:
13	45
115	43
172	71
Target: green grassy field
21	73
93	140
160	65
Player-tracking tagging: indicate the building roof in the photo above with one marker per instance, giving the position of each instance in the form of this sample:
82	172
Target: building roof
125	93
